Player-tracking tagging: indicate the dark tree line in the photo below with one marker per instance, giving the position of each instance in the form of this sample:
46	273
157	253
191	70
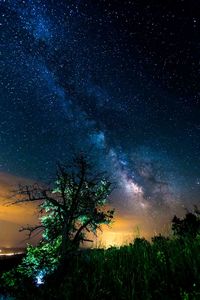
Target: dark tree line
189	226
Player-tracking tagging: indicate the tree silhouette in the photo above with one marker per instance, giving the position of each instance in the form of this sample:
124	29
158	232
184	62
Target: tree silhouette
74	206
189	226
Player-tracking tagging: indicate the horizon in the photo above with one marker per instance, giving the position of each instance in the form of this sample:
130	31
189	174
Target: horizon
124	228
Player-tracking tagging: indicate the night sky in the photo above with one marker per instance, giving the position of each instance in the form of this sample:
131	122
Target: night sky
118	77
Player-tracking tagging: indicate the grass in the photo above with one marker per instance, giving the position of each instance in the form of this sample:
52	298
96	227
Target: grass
164	269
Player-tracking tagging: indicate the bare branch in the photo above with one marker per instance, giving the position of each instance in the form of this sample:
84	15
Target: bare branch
32	229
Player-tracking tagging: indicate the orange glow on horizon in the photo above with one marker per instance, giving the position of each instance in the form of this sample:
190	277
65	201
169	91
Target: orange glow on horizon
12	217
125	227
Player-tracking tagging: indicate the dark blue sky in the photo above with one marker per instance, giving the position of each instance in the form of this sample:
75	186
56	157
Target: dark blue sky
122	76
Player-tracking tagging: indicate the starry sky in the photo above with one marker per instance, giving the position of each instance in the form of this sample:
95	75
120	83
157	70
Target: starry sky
118	77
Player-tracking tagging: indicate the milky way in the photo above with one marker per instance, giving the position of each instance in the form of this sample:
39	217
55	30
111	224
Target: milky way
118	77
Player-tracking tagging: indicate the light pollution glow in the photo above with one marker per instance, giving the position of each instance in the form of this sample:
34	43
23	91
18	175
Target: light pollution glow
128	224
15	216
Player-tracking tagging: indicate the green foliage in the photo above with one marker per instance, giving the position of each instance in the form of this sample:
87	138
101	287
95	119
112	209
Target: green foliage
74	206
13	283
43	257
164	269
9	279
